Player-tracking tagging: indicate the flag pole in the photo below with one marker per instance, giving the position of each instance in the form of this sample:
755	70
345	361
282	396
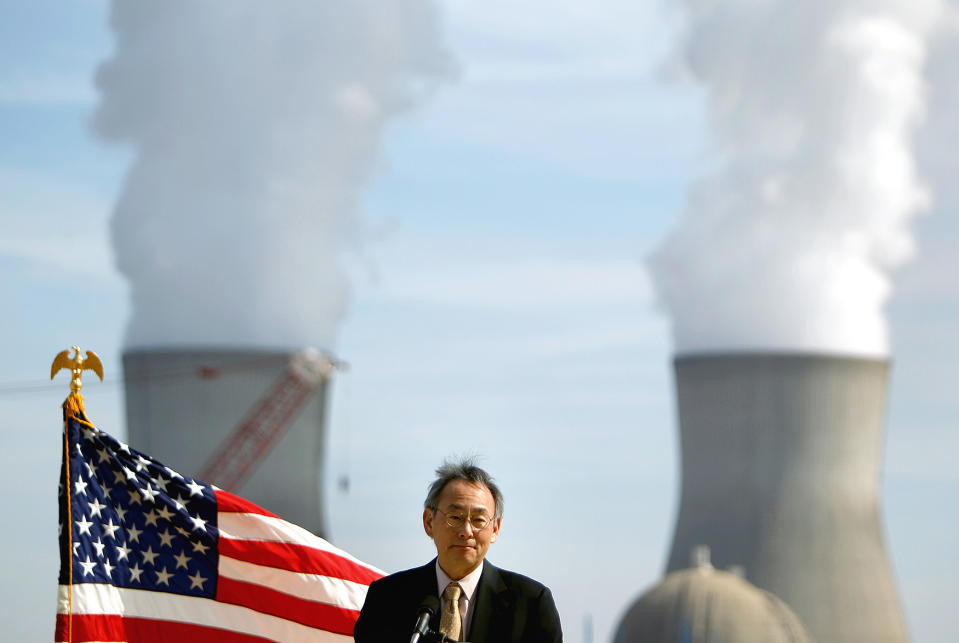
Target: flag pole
72	408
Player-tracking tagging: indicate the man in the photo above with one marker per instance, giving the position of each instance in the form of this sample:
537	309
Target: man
480	603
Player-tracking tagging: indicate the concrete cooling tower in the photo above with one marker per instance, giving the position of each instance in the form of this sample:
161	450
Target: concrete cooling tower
781	461
184	406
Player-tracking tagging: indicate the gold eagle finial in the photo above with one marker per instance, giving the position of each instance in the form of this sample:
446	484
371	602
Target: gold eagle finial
76	366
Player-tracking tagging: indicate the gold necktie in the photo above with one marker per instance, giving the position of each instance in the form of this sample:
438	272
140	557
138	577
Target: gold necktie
450	622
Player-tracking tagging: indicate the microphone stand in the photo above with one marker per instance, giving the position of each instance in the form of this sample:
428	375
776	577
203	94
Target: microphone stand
433	636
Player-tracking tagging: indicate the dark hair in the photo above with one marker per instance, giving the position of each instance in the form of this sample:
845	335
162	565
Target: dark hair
462	470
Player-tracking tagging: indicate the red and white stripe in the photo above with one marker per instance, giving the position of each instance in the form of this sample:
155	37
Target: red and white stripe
278	582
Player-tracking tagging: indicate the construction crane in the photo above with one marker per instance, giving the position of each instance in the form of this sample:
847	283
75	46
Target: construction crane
266	422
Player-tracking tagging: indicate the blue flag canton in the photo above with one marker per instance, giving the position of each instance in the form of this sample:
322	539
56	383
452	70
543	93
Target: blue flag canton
135	522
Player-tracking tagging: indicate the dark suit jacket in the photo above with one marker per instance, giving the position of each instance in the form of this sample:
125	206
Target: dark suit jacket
507	607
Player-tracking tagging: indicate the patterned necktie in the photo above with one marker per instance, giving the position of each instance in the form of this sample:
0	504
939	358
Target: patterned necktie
450	622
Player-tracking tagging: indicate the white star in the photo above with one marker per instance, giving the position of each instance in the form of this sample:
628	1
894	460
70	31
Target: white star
183	532
107	567
195	489
177	503
80	486
102	456
166	538
161	482
88	566
122	553
181	560
124	447
79	450
135	572
115	474
199	547
173	474
149	493
198	523
163	577
109	529
133	534
149	555
84	525
196	581
99	545
88	433
129	473
164	513
151	518
75	545
122	512
95	508
90	473
142	463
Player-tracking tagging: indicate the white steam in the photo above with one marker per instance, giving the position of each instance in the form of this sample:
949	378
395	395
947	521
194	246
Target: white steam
787	244
255	126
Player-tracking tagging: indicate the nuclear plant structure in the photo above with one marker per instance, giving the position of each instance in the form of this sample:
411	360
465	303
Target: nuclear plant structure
702	604
781	460
251	422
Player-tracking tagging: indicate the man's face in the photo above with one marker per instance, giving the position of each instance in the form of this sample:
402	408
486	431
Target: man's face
461	550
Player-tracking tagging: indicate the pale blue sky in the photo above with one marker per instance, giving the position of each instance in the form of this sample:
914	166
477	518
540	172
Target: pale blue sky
500	306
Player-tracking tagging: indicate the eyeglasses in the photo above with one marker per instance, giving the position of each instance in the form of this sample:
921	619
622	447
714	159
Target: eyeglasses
457	520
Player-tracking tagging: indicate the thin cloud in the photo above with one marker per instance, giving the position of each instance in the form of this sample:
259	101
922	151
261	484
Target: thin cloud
47	90
525	285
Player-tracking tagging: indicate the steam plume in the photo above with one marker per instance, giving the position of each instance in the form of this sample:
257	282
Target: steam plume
255	125
788	243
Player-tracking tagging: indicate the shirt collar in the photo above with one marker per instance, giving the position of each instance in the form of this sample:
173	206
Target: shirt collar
468	583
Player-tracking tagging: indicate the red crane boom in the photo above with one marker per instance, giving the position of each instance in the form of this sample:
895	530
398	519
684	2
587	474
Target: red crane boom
266	422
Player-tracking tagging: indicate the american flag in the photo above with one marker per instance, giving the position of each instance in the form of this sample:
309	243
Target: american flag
148	554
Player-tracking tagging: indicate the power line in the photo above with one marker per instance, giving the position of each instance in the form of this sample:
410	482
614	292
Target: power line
202	372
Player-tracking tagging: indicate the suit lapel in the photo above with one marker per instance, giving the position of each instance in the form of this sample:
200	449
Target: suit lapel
426	578
492	602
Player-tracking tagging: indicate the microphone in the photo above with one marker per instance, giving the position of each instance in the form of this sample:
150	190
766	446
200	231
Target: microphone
428	609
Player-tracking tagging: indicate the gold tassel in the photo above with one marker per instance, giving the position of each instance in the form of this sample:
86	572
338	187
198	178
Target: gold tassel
73	407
